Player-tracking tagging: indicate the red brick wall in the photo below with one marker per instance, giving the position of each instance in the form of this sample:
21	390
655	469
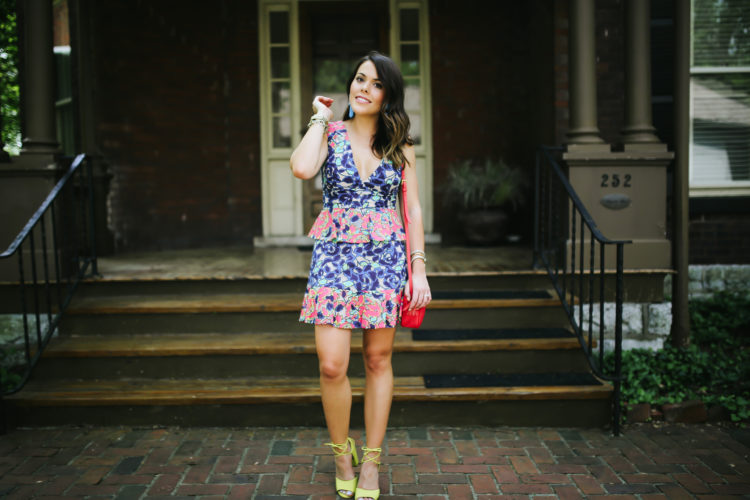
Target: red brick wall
719	238
492	89
610	69
60	29
177	119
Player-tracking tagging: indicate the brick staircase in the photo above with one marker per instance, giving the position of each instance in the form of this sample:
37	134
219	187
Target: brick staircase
495	349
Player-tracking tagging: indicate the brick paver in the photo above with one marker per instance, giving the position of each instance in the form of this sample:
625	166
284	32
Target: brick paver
645	462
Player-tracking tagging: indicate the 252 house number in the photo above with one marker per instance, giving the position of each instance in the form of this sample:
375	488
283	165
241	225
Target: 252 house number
616	180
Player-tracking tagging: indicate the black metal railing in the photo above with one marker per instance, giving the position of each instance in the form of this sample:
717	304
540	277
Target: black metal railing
575	254
54	251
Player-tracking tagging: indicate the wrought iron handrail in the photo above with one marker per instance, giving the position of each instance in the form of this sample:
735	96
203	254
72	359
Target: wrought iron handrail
69	204
561	224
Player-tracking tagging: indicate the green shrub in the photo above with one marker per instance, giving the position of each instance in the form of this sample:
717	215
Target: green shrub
714	368
8	377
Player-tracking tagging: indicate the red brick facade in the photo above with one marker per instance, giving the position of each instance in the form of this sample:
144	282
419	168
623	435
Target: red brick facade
492	89
177	119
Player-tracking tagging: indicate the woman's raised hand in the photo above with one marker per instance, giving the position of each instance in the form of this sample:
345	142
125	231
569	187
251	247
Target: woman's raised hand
322	106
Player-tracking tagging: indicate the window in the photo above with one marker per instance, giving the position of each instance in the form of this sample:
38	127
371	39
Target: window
281	109
720	98
409	51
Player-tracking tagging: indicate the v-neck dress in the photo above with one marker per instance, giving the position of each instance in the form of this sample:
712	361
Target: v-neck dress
358	267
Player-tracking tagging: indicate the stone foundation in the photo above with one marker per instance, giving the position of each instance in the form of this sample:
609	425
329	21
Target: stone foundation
648	325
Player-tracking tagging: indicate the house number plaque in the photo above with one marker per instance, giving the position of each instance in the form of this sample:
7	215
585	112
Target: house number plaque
616	201
616	180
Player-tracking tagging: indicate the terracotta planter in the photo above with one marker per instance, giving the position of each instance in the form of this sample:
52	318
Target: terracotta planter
484	227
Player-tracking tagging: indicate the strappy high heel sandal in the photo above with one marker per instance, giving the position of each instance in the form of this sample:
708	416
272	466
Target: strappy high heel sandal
343	485
361	492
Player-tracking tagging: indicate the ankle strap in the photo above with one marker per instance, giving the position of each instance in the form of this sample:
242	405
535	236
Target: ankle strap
345	448
341	449
375	458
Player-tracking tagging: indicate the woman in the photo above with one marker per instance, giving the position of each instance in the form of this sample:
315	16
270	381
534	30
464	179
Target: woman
358	269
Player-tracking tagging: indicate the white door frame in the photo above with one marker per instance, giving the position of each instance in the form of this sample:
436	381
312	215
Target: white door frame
281	192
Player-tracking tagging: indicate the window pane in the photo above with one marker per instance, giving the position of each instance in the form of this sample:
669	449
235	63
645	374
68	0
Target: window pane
409	25
279	27
280	62
721	129
721	33
281	132
412	94
410	60
280	97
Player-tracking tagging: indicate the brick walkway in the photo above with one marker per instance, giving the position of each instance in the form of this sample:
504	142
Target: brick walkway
673	461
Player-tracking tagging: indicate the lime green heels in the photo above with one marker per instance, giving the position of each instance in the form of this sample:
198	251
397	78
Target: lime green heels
361	492
344	485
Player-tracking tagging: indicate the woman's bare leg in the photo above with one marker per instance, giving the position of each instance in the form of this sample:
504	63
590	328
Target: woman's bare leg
333	346
377	350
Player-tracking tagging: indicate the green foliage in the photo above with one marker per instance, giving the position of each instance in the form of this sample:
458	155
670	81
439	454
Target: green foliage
9	379
721	33
479	186
715	368
9	91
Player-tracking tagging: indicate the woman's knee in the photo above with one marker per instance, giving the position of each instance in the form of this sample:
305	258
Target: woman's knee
332	369
377	360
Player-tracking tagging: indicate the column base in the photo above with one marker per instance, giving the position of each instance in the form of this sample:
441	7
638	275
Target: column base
635	146
35	147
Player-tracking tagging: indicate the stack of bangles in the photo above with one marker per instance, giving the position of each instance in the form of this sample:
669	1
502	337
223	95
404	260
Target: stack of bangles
318	118
418	255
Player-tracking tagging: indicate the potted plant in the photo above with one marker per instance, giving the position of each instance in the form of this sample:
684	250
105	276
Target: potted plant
484	194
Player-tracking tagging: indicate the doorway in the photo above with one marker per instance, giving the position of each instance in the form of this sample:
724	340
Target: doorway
333	36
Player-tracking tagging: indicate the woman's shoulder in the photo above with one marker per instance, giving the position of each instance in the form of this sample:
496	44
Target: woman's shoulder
409	153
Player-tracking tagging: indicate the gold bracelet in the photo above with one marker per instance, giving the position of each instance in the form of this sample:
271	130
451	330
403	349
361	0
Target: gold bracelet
419	257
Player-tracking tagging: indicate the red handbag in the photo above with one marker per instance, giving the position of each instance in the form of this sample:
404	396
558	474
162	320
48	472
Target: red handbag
409	319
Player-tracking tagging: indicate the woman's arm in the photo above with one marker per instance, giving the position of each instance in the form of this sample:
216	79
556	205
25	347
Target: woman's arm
312	151
420	295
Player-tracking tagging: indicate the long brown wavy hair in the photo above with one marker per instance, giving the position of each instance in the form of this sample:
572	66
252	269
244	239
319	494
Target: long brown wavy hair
393	123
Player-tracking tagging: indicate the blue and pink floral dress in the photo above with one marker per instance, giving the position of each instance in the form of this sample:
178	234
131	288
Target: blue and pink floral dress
358	268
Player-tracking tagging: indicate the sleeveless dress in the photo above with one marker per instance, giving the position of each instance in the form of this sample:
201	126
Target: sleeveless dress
358	268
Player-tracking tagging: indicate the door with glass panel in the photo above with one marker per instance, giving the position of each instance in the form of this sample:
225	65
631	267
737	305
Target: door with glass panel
333	36
308	48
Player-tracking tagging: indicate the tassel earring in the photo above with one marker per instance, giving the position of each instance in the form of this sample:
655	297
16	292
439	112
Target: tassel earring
351	112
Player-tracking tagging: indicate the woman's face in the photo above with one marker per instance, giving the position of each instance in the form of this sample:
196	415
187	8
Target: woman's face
366	93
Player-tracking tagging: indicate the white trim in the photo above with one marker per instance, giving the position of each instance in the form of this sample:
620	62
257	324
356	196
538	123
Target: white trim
285	190
709	70
740	188
424	150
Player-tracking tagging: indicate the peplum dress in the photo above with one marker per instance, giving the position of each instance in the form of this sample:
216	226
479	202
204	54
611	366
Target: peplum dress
358	267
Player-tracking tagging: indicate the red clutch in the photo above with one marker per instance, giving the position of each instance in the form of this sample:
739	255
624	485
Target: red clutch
409	319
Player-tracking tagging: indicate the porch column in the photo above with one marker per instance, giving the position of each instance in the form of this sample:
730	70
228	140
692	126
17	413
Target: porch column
639	129
680	332
582	64
38	87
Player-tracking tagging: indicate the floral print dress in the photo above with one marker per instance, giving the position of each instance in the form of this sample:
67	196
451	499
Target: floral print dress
358	268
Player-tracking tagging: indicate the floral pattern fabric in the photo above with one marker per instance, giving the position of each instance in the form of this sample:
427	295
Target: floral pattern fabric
358	267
